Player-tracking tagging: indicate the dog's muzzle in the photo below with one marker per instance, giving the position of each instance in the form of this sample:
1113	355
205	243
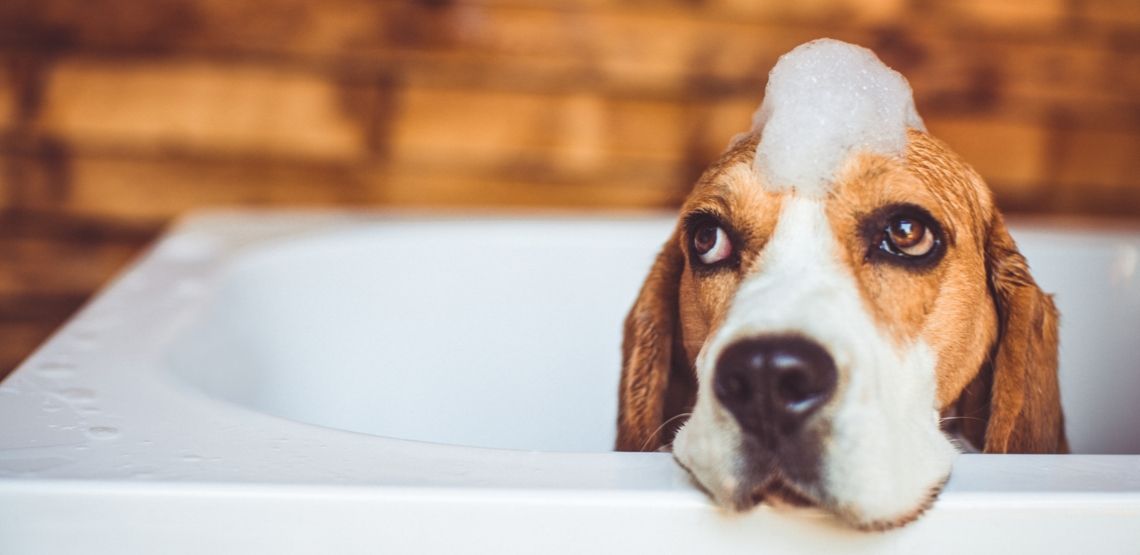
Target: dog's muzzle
772	385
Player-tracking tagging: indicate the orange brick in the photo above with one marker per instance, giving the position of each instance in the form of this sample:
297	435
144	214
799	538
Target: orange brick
622	48
637	187
491	126
724	120
655	130
7	101
148	189
57	266
1100	159
1010	156
1013	15
1125	13
472	125
857	11
200	107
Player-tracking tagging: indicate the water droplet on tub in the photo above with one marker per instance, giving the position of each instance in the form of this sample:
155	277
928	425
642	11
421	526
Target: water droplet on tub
90	410
77	394
56	369
51	405
102	432
192	458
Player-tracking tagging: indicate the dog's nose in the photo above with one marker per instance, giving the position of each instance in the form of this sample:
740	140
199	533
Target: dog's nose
771	384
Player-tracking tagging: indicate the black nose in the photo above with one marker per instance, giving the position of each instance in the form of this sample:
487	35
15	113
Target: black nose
771	384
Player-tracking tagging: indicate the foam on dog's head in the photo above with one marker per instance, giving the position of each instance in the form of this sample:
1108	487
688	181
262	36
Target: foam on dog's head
825	101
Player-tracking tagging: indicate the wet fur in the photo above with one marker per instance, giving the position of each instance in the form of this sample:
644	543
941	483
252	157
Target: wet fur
999	375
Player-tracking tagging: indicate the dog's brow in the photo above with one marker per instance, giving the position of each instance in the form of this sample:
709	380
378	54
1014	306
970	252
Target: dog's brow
712	204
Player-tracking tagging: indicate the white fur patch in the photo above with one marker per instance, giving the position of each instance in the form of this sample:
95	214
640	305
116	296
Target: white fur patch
826	100
886	452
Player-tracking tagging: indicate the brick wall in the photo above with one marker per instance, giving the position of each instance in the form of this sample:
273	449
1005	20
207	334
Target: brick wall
117	115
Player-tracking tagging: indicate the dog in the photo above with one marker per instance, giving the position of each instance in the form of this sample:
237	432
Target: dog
839	311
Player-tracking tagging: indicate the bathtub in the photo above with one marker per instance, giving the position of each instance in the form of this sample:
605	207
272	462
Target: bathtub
350	383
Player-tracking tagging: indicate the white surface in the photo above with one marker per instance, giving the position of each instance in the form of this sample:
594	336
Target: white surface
176	412
825	101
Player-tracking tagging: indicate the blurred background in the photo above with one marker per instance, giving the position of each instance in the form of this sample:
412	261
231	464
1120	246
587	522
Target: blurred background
116	116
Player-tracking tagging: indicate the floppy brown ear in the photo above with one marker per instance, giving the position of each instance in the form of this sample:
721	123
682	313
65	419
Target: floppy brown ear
1025	400
647	354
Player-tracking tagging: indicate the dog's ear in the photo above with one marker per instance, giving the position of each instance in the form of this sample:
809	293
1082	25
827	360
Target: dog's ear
1025	400
647	354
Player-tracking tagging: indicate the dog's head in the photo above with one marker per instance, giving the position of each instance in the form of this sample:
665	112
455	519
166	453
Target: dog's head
819	317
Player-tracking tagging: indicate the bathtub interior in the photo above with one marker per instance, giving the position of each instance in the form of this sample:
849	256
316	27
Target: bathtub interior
506	334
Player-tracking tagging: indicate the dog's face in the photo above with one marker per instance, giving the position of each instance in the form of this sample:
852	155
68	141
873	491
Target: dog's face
815	343
822	334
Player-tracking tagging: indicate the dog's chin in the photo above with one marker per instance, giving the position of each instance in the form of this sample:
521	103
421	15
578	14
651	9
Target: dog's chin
779	491
741	485
853	517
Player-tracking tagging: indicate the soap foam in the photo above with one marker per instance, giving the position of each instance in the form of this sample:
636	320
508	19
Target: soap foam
825	101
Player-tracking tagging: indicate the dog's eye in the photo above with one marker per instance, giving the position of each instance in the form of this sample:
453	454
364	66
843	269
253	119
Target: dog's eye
908	236
710	243
905	236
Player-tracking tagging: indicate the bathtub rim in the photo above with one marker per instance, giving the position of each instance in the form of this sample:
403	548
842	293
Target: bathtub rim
1108	482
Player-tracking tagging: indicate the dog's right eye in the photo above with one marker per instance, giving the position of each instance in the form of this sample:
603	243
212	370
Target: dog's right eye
711	243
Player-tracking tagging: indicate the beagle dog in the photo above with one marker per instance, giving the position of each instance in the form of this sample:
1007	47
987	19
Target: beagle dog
839	311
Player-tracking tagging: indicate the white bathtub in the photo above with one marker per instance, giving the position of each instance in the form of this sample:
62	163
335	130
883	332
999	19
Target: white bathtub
355	384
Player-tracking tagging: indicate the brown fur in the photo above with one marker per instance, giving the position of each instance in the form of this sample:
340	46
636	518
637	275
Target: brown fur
994	331
1025	400
647	353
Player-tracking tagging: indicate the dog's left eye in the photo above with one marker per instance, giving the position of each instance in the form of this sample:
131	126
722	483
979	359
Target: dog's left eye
711	243
908	236
905	236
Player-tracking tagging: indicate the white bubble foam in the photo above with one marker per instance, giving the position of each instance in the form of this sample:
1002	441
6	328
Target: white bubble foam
825	101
